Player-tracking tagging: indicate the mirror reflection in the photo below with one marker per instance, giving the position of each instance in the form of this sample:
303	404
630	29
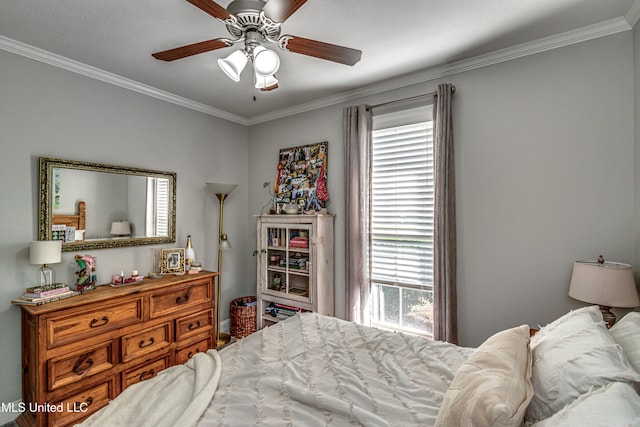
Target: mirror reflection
89	205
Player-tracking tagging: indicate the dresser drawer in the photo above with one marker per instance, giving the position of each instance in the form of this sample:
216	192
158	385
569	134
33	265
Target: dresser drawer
185	353
190	325
145	342
144	372
74	327
191	294
69	369
82	404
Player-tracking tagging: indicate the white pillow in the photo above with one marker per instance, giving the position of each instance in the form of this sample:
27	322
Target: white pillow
572	355
616	404
570	322
493	387
626	333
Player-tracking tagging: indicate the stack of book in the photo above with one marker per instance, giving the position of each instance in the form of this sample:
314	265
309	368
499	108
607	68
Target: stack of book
298	262
282	311
39	295
299	242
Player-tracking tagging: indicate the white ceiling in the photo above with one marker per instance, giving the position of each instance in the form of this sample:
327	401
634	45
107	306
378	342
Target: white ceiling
113	41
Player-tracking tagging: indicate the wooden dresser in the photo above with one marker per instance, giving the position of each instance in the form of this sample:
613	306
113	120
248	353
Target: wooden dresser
81	352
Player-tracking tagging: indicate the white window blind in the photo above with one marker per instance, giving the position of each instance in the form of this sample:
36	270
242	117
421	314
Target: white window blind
162	207
402	205
401	259
157	212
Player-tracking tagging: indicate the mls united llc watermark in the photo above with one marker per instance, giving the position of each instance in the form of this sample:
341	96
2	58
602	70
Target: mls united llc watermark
44	407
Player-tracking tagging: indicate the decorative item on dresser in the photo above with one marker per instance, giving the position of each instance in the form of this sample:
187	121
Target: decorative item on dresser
45	252
189	254
81	352
295	269
221	191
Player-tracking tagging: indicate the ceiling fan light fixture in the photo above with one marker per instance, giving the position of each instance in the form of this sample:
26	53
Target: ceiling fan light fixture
265	61
266	83
233	64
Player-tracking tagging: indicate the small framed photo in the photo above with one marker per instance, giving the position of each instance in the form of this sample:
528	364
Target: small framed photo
172	260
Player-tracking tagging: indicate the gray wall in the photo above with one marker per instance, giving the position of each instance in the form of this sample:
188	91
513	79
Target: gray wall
46	111
545	176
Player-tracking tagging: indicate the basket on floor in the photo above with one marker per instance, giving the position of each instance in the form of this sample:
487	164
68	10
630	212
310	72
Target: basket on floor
242	313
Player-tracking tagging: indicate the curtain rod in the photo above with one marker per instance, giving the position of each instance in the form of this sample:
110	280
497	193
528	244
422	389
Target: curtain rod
430	94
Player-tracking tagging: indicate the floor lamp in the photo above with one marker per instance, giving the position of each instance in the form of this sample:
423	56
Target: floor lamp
221	191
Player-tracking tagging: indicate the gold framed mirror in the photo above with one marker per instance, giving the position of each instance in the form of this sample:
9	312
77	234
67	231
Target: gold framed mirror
93	206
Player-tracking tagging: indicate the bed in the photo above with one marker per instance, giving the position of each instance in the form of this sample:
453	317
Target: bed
313	370
77	221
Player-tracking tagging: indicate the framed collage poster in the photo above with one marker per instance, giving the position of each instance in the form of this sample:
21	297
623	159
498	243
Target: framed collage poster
302	177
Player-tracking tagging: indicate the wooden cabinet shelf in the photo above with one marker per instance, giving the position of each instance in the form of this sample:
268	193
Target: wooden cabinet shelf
86	349
295	268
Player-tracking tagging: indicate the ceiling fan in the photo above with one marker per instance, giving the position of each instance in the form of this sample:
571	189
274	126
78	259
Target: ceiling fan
256	23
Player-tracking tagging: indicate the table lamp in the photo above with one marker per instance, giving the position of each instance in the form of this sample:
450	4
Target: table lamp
120	228
607	284
45	252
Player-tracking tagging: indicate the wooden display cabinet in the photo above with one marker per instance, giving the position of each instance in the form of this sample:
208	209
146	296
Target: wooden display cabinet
295	266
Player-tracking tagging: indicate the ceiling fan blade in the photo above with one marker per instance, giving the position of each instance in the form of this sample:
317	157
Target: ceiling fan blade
192	49
280	10
212	8
330	52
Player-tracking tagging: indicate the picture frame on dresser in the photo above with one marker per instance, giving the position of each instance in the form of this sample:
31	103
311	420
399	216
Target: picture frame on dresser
172	260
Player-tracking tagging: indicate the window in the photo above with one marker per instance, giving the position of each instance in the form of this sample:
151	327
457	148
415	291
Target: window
402	221
157	216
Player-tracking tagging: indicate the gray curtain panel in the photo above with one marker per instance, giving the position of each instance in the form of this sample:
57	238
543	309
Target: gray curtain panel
445	326
357	137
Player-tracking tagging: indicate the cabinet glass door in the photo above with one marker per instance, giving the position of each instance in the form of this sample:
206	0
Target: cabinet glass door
288	261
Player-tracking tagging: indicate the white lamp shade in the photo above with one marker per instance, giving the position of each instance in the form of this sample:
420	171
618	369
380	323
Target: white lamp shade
217	188
121	228
224	243
233	65
609	284
266	82
45	252
265	61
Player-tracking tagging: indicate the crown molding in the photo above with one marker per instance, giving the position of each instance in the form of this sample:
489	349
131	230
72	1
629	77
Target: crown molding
633	14
59	61
590	32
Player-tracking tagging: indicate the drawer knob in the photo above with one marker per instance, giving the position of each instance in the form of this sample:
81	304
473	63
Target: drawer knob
194	325
143	344
95	323
82	406
85	360
147	374
184	298
191	353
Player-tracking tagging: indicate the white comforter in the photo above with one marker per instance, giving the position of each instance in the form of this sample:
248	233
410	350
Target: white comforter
307	371
314	371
